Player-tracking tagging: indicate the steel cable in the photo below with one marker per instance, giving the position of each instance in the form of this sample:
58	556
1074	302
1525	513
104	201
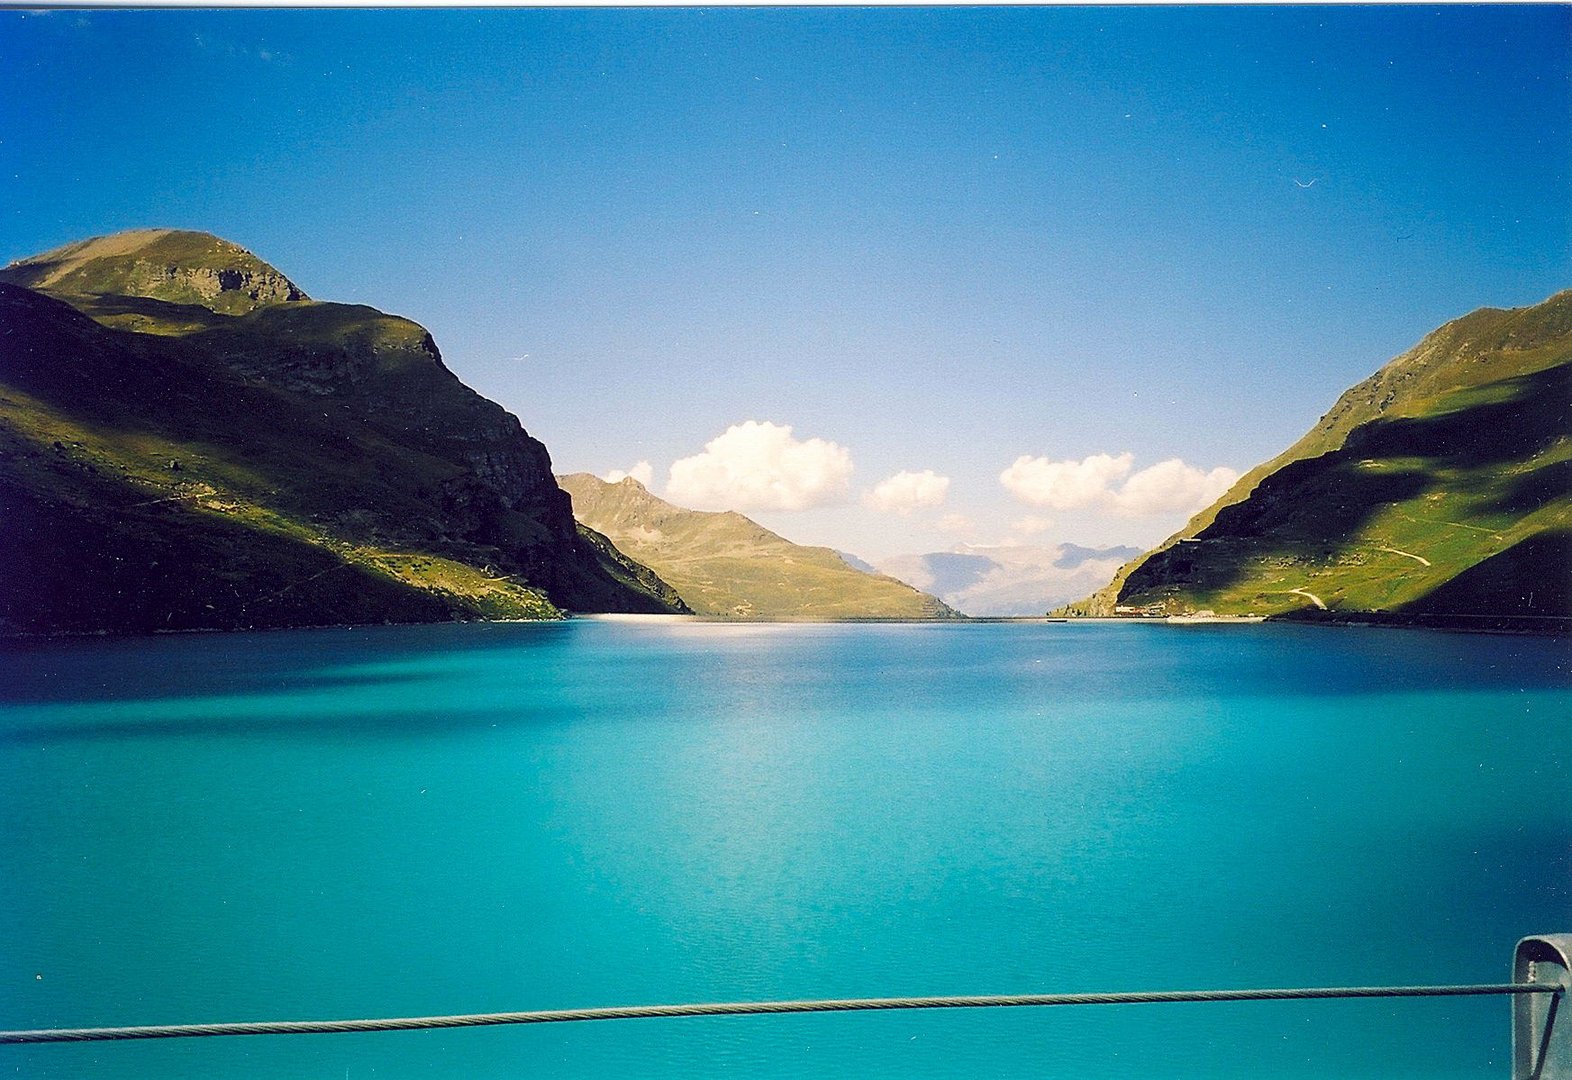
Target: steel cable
756	1008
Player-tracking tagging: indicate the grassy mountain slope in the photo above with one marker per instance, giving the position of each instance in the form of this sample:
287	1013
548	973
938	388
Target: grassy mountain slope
166	465
162	264
726	564
1439	489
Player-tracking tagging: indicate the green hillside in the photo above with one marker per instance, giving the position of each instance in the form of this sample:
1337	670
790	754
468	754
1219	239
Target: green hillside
276	462
725	564
1438	491
161	264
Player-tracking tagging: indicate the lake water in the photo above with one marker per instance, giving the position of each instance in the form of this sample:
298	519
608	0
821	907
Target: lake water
404	821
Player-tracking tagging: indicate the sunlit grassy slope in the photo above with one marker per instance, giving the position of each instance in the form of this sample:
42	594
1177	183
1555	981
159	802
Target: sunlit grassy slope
165	465
162	264
726	564
1439	490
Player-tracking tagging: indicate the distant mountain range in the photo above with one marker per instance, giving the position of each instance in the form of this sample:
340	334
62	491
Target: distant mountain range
188	441
726	564
1009	580
1438	491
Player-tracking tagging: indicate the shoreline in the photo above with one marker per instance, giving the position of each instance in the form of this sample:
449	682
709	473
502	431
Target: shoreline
1515	625
1525	625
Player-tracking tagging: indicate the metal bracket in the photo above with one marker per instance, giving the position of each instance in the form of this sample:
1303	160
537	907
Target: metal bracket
1542	1023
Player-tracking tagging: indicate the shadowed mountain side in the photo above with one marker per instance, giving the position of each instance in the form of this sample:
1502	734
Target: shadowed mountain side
726	564
90	561
1503	422
335	424
1527	587
109	523
1532	578
631	575
1534	490
1418	495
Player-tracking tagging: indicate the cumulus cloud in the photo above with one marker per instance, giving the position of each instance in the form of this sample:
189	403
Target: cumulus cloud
761	466
1172	486
1106	482
643	472
908	491
1065	485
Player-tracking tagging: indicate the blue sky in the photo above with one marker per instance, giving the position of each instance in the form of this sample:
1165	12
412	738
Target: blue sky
929	241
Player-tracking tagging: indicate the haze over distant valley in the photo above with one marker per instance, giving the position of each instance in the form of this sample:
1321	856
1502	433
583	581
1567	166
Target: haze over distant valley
1017	579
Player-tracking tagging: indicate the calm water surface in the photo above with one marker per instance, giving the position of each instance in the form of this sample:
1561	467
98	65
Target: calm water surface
483	818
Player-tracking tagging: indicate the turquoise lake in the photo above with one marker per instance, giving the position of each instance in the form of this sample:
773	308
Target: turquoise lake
406	821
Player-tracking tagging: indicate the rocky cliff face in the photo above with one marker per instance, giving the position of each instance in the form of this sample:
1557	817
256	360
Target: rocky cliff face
222	290
162	264
335	425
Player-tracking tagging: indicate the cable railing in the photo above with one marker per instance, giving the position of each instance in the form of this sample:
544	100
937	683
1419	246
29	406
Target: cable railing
1542	1050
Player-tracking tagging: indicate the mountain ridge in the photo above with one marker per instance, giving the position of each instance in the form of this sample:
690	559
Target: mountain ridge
725	564
1443	460
177	265
163	423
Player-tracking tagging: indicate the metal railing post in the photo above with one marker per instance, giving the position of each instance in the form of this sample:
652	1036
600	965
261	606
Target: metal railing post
1541	1030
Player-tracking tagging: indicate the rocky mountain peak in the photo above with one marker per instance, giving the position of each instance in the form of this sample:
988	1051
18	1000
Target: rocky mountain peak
175	265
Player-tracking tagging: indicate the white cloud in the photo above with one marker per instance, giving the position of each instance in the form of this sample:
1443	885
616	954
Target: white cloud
1105	482
761	466
908	491
1172	486
643	472
1065	485
954	523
